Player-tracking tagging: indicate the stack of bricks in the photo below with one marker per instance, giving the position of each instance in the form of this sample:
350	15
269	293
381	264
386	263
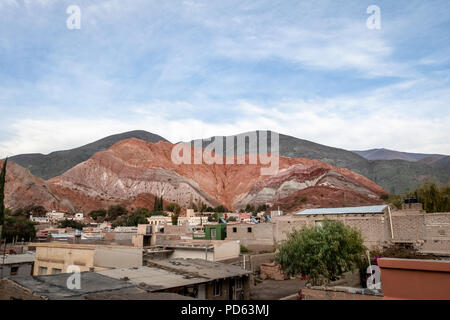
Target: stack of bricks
272	271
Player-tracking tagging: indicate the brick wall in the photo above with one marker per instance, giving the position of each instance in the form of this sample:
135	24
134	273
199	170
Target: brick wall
372	227
430	232
339	293
272	271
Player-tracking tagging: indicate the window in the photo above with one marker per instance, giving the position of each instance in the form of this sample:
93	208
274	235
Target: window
14	270
42	271
213	233
56	271
217	288
234	229
249	229
238	283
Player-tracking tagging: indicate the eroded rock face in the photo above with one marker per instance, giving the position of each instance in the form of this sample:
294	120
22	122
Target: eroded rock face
23	189
133	167
132	172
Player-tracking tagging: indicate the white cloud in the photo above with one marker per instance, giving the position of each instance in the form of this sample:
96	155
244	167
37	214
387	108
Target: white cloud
383	122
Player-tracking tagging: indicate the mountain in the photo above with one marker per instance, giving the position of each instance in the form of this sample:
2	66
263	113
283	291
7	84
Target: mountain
23	189
442	164
386	154
56	163
396	176
132	168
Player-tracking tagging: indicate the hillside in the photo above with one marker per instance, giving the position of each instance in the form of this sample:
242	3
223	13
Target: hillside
396	176
134	167
56	163
386	154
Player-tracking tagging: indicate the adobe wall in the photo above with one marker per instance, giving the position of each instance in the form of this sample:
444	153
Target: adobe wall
339	293
372	227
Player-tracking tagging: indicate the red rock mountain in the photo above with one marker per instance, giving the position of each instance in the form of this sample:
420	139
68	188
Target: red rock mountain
132	171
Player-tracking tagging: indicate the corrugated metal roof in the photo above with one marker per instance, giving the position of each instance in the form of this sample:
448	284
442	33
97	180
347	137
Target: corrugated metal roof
345	210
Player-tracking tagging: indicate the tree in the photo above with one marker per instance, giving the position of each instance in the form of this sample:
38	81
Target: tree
144	212
175	219
98	215
115	211
70	224
323	252
2	195
433	198
221	209
158	205
249	208
262	207
20	227
135	219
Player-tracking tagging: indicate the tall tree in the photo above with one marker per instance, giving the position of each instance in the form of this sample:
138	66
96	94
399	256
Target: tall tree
2	195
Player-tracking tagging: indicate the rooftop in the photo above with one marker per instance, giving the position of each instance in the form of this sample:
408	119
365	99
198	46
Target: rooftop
172	273
55	286
345	210
17	258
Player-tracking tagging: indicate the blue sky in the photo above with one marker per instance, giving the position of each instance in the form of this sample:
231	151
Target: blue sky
193	69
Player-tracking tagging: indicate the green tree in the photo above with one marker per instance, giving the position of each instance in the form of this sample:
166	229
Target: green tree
98	215
2	195
323	252
71	224
135	219
20	227
115	211
250	208
175	219
144	212
220	209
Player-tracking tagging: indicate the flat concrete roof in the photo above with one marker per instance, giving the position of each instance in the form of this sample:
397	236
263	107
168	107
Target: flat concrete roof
57	244
55	286
17	258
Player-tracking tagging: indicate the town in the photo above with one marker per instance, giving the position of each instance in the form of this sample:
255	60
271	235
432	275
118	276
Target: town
216	256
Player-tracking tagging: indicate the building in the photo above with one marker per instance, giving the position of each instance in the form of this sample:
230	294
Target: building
210	250
188	277
56	216
380	225
39	219
255	236
93	286
55	257
16	264
372	221
145	237
213	232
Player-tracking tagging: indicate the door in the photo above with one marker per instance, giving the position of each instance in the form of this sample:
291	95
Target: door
202	292
231	291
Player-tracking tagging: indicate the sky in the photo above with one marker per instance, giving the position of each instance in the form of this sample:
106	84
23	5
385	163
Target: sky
200	68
